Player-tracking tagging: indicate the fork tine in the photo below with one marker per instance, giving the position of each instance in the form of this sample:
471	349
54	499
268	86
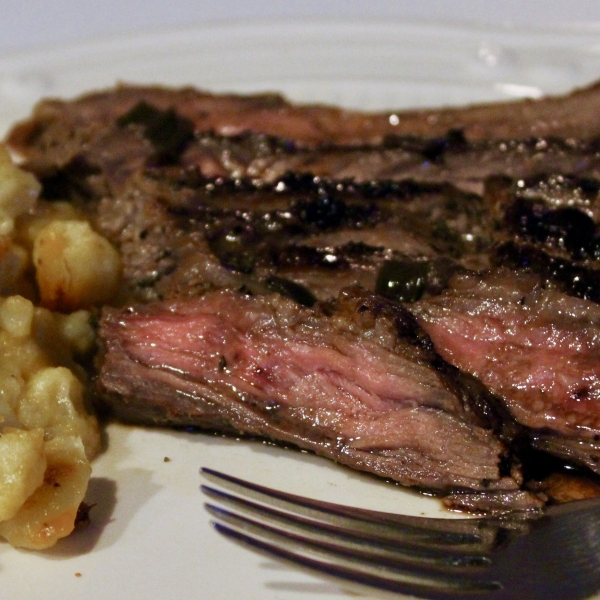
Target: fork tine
373	535
474	532
366	551
429	558
432	589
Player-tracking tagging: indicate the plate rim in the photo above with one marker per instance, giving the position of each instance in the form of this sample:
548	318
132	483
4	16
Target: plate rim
219	27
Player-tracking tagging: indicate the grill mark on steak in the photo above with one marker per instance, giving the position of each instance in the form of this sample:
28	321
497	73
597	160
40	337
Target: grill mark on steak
182	235
558	192
444	159
579	280
537	349
557	212
353	380
550	226
115	133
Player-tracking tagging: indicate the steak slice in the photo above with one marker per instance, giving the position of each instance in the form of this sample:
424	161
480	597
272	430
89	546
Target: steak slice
354	380
353	377
57	124
536	349
101	160
180	235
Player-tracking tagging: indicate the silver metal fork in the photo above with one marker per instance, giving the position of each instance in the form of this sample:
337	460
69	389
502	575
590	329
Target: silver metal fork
554	555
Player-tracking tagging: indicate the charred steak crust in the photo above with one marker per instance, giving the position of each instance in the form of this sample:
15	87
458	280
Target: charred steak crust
181	234
549	225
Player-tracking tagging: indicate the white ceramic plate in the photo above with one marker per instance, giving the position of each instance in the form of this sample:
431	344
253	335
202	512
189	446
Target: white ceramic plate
150	537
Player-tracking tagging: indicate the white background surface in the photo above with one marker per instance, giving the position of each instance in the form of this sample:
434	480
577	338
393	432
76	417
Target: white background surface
37	23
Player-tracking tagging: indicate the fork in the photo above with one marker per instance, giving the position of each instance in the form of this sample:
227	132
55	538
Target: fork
549	555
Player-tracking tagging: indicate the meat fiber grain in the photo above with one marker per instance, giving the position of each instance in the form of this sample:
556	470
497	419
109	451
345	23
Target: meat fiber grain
357	383
537	349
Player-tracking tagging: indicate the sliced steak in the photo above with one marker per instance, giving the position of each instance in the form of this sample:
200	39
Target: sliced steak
101	161
180	235
566	116
196	192
98	140
537	349
355	380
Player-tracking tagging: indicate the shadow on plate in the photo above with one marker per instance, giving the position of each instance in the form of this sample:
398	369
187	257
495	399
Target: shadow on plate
302	588
113	506
101	497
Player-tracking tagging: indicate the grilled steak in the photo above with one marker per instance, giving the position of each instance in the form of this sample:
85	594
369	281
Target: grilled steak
272	251
354	379
183	237
180	235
